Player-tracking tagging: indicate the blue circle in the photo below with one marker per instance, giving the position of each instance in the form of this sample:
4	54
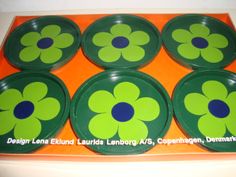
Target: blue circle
120	42
200	42
122	112
218	108
45	43
24	109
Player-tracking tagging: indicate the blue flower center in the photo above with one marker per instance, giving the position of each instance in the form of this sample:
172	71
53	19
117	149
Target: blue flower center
218	108
24	109
122	112
199	42
45	43
120	42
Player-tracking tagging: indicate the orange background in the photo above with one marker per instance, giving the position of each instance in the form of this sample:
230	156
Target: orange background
79	69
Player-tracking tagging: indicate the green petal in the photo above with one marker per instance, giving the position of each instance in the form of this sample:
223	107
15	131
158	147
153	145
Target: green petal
188	51
9	99
181	35
199	30
101	101
35	91
7	122
214	90
231	99
196	103
29	54
47	109
146	109
102	39
27	129
212	55
231	122
217	40
109	54
50	55
133	53
63	40
121	30
126	92
30	38
211	127
103	126
139	38
133	130
50	31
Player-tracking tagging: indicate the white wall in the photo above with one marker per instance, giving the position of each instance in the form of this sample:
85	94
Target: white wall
44	5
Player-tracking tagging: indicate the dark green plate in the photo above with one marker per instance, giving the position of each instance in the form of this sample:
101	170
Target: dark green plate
121	41
43	43
127	108
33	108
204	104
198	41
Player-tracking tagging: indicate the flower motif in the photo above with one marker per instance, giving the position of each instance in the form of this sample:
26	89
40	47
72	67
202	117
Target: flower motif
47	44
216	108
121	41
198	41
23	111
122	112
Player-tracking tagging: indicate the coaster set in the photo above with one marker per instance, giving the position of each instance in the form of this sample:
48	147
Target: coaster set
121	104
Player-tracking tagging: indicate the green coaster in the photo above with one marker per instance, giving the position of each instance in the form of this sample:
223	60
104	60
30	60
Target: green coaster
33	108
121	41
204	104
43	43
198	41
121	112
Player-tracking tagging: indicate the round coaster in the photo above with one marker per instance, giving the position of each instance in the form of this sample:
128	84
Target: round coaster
198	41
33	108
43	43
121	41
204	104
121	112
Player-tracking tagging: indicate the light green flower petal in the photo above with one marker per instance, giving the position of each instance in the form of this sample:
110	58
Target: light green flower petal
121	30
47	109
231	122
212	55
30	38
182	36
217	40
139	38
133	53
102	39
27	129
109	54
63	40
188	51
103	126
9	99
35	91
29	54
133	130
126	92
101	101
211	127
214	90
50	55
196	103
50	31
231	99
199	30
7	122
146	109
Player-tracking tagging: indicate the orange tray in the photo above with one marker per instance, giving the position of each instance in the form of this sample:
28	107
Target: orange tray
162	68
